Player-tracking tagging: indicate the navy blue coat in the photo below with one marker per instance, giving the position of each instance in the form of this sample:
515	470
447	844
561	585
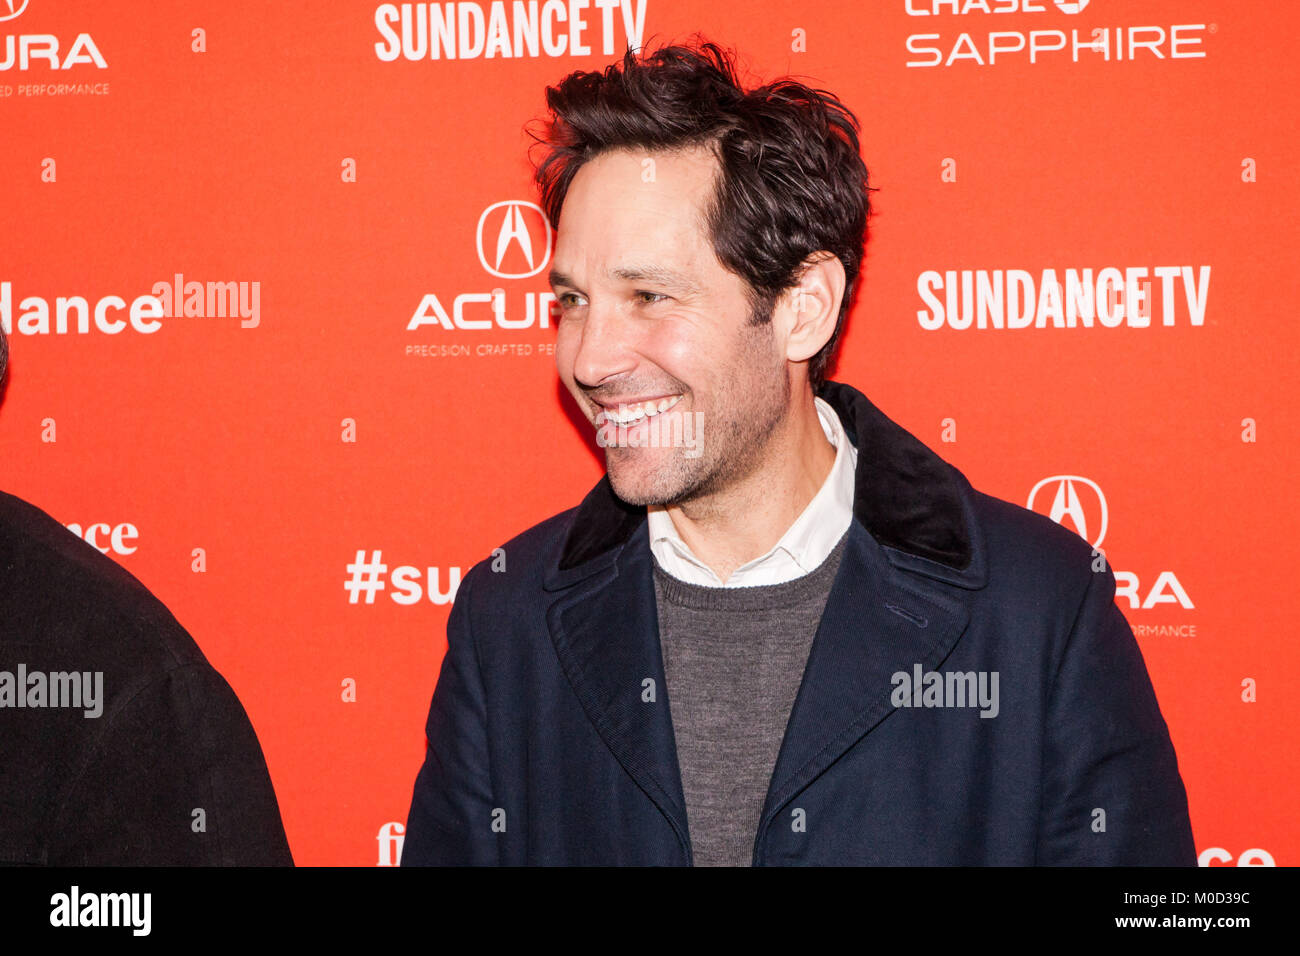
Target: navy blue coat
545	747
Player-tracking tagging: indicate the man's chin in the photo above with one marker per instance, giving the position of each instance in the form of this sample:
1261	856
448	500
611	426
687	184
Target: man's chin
638	483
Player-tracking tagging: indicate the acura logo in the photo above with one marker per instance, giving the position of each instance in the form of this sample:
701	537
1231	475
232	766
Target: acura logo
1066	501
12	8
514	233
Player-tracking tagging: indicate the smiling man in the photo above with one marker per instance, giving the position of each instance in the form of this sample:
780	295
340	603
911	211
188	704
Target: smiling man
780	630
654	326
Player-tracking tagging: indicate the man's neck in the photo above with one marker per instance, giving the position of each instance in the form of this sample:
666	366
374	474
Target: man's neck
745	520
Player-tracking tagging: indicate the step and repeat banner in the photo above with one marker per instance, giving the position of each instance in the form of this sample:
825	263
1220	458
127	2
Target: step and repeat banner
274	280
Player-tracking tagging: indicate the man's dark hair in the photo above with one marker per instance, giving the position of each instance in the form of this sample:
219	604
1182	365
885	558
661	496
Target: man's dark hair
791	179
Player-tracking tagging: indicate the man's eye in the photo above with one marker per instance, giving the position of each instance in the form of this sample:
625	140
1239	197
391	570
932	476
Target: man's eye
650	298
568	300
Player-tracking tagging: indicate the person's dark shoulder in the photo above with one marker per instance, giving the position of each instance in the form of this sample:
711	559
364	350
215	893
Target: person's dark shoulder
1013	532
1034	560
64	597
519	566
123	745
502	596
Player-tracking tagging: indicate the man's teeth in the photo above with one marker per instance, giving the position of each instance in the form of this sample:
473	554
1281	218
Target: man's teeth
631	414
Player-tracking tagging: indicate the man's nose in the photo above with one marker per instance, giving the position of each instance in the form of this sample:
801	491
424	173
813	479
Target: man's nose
606	348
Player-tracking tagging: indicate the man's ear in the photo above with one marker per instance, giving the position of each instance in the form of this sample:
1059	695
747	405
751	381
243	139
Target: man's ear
808	311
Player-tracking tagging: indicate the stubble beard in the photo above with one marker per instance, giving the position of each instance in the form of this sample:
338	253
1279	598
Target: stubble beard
736	434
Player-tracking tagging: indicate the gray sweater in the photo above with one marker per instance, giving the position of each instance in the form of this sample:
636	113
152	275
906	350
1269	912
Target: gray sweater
733	662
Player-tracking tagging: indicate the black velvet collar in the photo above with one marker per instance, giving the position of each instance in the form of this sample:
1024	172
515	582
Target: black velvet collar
906	496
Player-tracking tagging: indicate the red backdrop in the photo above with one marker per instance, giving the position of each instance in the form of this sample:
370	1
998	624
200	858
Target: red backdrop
383	390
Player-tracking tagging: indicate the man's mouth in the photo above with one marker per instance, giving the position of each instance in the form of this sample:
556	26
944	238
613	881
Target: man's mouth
625	415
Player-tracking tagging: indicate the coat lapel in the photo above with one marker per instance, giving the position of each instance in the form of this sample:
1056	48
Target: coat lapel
605	628
899	598
876	624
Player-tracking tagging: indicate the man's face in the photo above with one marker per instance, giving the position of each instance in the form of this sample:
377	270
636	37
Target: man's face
650	318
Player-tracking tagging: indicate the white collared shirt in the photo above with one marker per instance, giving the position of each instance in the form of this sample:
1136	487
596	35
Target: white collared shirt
803	547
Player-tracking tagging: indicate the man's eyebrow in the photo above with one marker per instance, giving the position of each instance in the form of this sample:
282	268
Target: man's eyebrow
655	274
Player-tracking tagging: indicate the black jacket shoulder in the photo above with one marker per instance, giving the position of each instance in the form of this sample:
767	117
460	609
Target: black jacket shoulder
144	755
